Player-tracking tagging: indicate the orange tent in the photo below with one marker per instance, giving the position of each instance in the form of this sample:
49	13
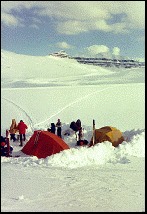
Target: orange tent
107	133
43	144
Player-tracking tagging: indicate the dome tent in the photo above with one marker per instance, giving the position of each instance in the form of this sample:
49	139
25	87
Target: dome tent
43	144
107	133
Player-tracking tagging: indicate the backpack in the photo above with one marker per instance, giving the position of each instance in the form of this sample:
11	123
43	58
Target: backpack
74	126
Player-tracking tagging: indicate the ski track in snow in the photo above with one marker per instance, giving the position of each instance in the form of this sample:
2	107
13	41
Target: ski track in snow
62	109
70	104
31	122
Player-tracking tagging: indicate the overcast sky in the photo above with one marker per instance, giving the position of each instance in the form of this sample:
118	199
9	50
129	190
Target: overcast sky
88	28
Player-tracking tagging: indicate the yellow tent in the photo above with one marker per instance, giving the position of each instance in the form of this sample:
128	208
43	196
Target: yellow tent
107	133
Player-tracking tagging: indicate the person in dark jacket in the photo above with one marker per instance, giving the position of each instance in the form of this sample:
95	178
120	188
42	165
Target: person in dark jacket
78	123
74	126
4	149
22	131
3	139
53	128
58	125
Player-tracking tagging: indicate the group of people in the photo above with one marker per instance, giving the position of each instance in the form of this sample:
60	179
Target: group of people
53	128
76	126
18	133
19	129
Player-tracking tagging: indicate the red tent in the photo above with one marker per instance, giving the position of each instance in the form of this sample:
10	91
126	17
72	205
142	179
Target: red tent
43	144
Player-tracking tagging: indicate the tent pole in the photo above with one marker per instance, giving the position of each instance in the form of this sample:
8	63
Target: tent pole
93	139
8	143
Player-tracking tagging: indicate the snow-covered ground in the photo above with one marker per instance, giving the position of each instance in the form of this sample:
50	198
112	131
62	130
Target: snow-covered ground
42	89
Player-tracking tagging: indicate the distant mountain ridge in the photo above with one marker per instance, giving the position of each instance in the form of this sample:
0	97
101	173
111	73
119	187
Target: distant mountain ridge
18	71
126	63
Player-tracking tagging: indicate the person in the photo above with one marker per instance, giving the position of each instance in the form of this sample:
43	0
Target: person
53	128
13	130
80	138
58	125
22	131
78	123
74	126
79	135
4	149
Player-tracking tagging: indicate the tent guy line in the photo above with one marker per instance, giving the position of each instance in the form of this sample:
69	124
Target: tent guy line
72	103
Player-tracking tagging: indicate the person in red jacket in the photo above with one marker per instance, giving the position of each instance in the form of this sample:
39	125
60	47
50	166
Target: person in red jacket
22	131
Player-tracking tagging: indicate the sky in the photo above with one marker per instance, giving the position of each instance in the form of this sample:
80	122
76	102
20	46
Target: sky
101	178
80	28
